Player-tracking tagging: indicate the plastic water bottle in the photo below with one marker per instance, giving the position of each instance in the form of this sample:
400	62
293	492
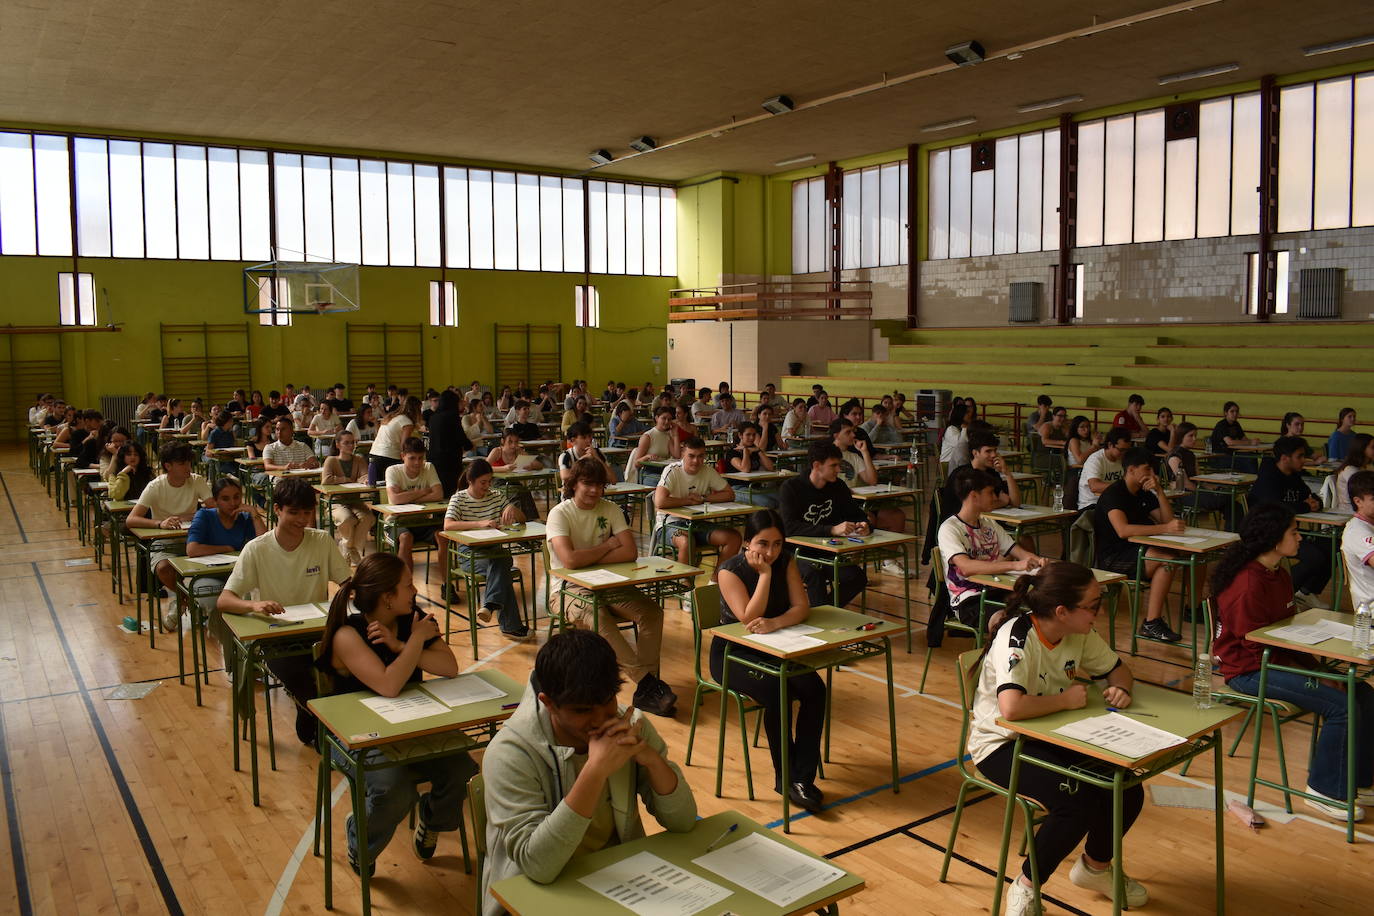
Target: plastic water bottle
1363	621
1202	682
1059	496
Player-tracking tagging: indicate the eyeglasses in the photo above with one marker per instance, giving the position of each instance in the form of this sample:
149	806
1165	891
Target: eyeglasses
1095	608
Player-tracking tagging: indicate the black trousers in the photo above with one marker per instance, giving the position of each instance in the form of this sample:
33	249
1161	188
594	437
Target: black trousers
808	690
818	579
1313	569
1086	812
297	675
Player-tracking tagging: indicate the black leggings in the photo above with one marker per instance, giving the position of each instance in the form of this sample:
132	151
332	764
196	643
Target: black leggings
376	469
808	690
1072	815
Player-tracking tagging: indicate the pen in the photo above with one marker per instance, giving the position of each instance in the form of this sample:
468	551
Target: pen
1131	712
868	626
509	705
725	833
284	623
853	540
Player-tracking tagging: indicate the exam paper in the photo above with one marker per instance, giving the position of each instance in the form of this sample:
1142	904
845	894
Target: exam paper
218	559
789	639
650	886
296	613
410	705
1180	539
749	474
1208	534
407	507
1120	734
1018	511
360	485
459	691
600	577
874	488
484	534
1339	518
763	866
1307	634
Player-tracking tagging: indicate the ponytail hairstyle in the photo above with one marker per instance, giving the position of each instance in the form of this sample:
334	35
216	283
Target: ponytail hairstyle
1181	432
1260	533
1288	418
1357	456
479	467
377	575
1058	584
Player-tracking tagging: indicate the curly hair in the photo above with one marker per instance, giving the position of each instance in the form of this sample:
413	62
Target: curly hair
1259	533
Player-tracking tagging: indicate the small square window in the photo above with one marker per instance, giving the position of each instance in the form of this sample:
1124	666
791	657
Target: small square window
1252	284
587	304
76	303
443	311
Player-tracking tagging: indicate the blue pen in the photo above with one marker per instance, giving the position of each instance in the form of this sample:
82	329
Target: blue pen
855	540
1131	712
717	841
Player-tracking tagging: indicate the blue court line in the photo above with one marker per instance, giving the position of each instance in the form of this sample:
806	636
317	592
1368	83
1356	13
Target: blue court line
910	777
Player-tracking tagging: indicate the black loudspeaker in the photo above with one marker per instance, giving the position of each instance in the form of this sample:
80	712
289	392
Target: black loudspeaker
984	156
1180	121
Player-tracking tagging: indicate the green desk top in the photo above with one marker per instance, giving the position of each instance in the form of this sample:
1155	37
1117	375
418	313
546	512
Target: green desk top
876	539
1024	515
877	491
1338	649
339	489
157	534
569	897
838	628
359	727
625	488
118	506
429	509
529	531
710	510
1170	710
1211	540
1226	480
250	627
540	474
189	567
642	571
1007	581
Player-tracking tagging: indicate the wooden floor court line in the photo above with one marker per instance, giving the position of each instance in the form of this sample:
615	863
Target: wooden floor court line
16	835
1013	869
13	508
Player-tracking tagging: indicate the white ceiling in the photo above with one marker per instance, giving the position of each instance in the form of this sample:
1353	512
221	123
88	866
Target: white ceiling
541	84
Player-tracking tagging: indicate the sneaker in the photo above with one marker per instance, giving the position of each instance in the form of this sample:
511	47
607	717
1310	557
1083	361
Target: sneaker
893	568
1021	900
171	619
1365	796
654	696
425	840
353	852
1332	808
484	614
1159	630
1101	881
520	634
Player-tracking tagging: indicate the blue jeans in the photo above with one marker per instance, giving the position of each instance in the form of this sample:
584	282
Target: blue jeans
1326	770
764	498
391	792
499	594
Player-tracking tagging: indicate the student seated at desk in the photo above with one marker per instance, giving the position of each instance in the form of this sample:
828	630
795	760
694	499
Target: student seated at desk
130	473
1338	443
1160	435
80	424
971	544
222	436
224	527
522	424
511	454
580	412
1103	467
819	504
566	773
1031	669
624	429
256	403
853	411
94	445
414	480
384	646
579	440
287	453
1360	457
141	412
396	427
1182	468
291	564
1281	480
326	422
168	502
238	403
1227	434
702	408
794	425
1133	507
1293	424
585	530
748	456
954	450
275	408
770	433
692	482
821	413
1044	408
476	426
477	505
982	446
353	519
363	426
661	441
762	588
1357	540
1055	431
728	417
107	462
1081	443
683	427
1254	590
174	417
1130	419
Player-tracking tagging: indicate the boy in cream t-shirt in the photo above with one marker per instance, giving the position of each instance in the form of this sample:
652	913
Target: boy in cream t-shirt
1357	541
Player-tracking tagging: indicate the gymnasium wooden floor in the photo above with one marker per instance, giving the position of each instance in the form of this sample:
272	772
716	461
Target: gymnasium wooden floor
132	806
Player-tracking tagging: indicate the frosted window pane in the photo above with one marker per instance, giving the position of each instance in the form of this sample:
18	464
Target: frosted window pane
319	210
615	228
126	199
818	232
1214	168
92	197
159	200
18	218
904	216
505	241
253	205
849	220
981	243
596	222
938	229
551	223
870	221
1030	210
480	218
960	197
1049	227
1118	181
667	200
223	172
1362	194
891	187
573	243
653	222
427	215
1180	189
1149	176
348	241
1245	164
634	230
290	202
400	196
193	213
1090	158
1005	201
1331	195
372	192
800	222
1295	158
456	217
53	181
1281	281
527	221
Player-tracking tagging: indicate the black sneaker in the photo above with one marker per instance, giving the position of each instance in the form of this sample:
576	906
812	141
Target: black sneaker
452	595
353	854
654	696
425	840
519	633
1159	630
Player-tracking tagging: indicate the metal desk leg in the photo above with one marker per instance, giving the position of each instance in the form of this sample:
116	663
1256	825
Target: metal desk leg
1217	804
1012	782
1118	817
785	773
891	716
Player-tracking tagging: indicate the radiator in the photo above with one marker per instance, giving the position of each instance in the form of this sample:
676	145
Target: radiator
1025	302
120	408
1319	292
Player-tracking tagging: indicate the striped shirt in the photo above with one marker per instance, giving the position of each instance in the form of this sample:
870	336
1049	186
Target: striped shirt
464	507
280	454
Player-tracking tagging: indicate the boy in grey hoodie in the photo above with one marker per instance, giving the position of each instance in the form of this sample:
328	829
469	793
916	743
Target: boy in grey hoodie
562	774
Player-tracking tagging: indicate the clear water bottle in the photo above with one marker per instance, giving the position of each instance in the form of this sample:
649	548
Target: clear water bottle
1059	496
1202	682
1363	622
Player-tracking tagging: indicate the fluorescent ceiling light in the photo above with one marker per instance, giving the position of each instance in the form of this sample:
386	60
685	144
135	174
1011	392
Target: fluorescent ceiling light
778	104
1048	103
946	125
643	144
795	160
1342	45
600	156
1198	74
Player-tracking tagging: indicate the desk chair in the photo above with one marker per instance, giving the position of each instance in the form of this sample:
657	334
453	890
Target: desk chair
391	530
477	807
952	621
1031	810
706	616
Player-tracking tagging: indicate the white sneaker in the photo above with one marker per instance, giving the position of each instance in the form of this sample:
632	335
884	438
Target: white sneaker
1101	881
484	614
1365	796
1333	808
893	568
1021	900
171	619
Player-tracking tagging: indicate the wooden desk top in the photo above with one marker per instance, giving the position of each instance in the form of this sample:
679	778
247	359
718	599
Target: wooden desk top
710	511
1024	515
642	571
251	627
1225	480
388	509
1007	581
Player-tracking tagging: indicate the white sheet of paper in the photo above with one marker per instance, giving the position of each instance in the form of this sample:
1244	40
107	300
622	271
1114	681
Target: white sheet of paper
358	486
1336	630
874	488
407	507
218	559
1335	517
459	691
1305	633
751	474
413	704
1180	539
485	534
651	886
600	577
1208	534
763	866
707	508
1018	511
789	639
1120	734
295	613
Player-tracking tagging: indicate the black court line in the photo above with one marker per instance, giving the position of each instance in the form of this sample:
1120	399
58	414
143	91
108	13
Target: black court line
100	689
992	872
21	874
888	834
14	510
164	883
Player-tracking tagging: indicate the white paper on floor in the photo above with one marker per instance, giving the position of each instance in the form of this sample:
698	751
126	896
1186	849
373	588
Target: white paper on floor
131	691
